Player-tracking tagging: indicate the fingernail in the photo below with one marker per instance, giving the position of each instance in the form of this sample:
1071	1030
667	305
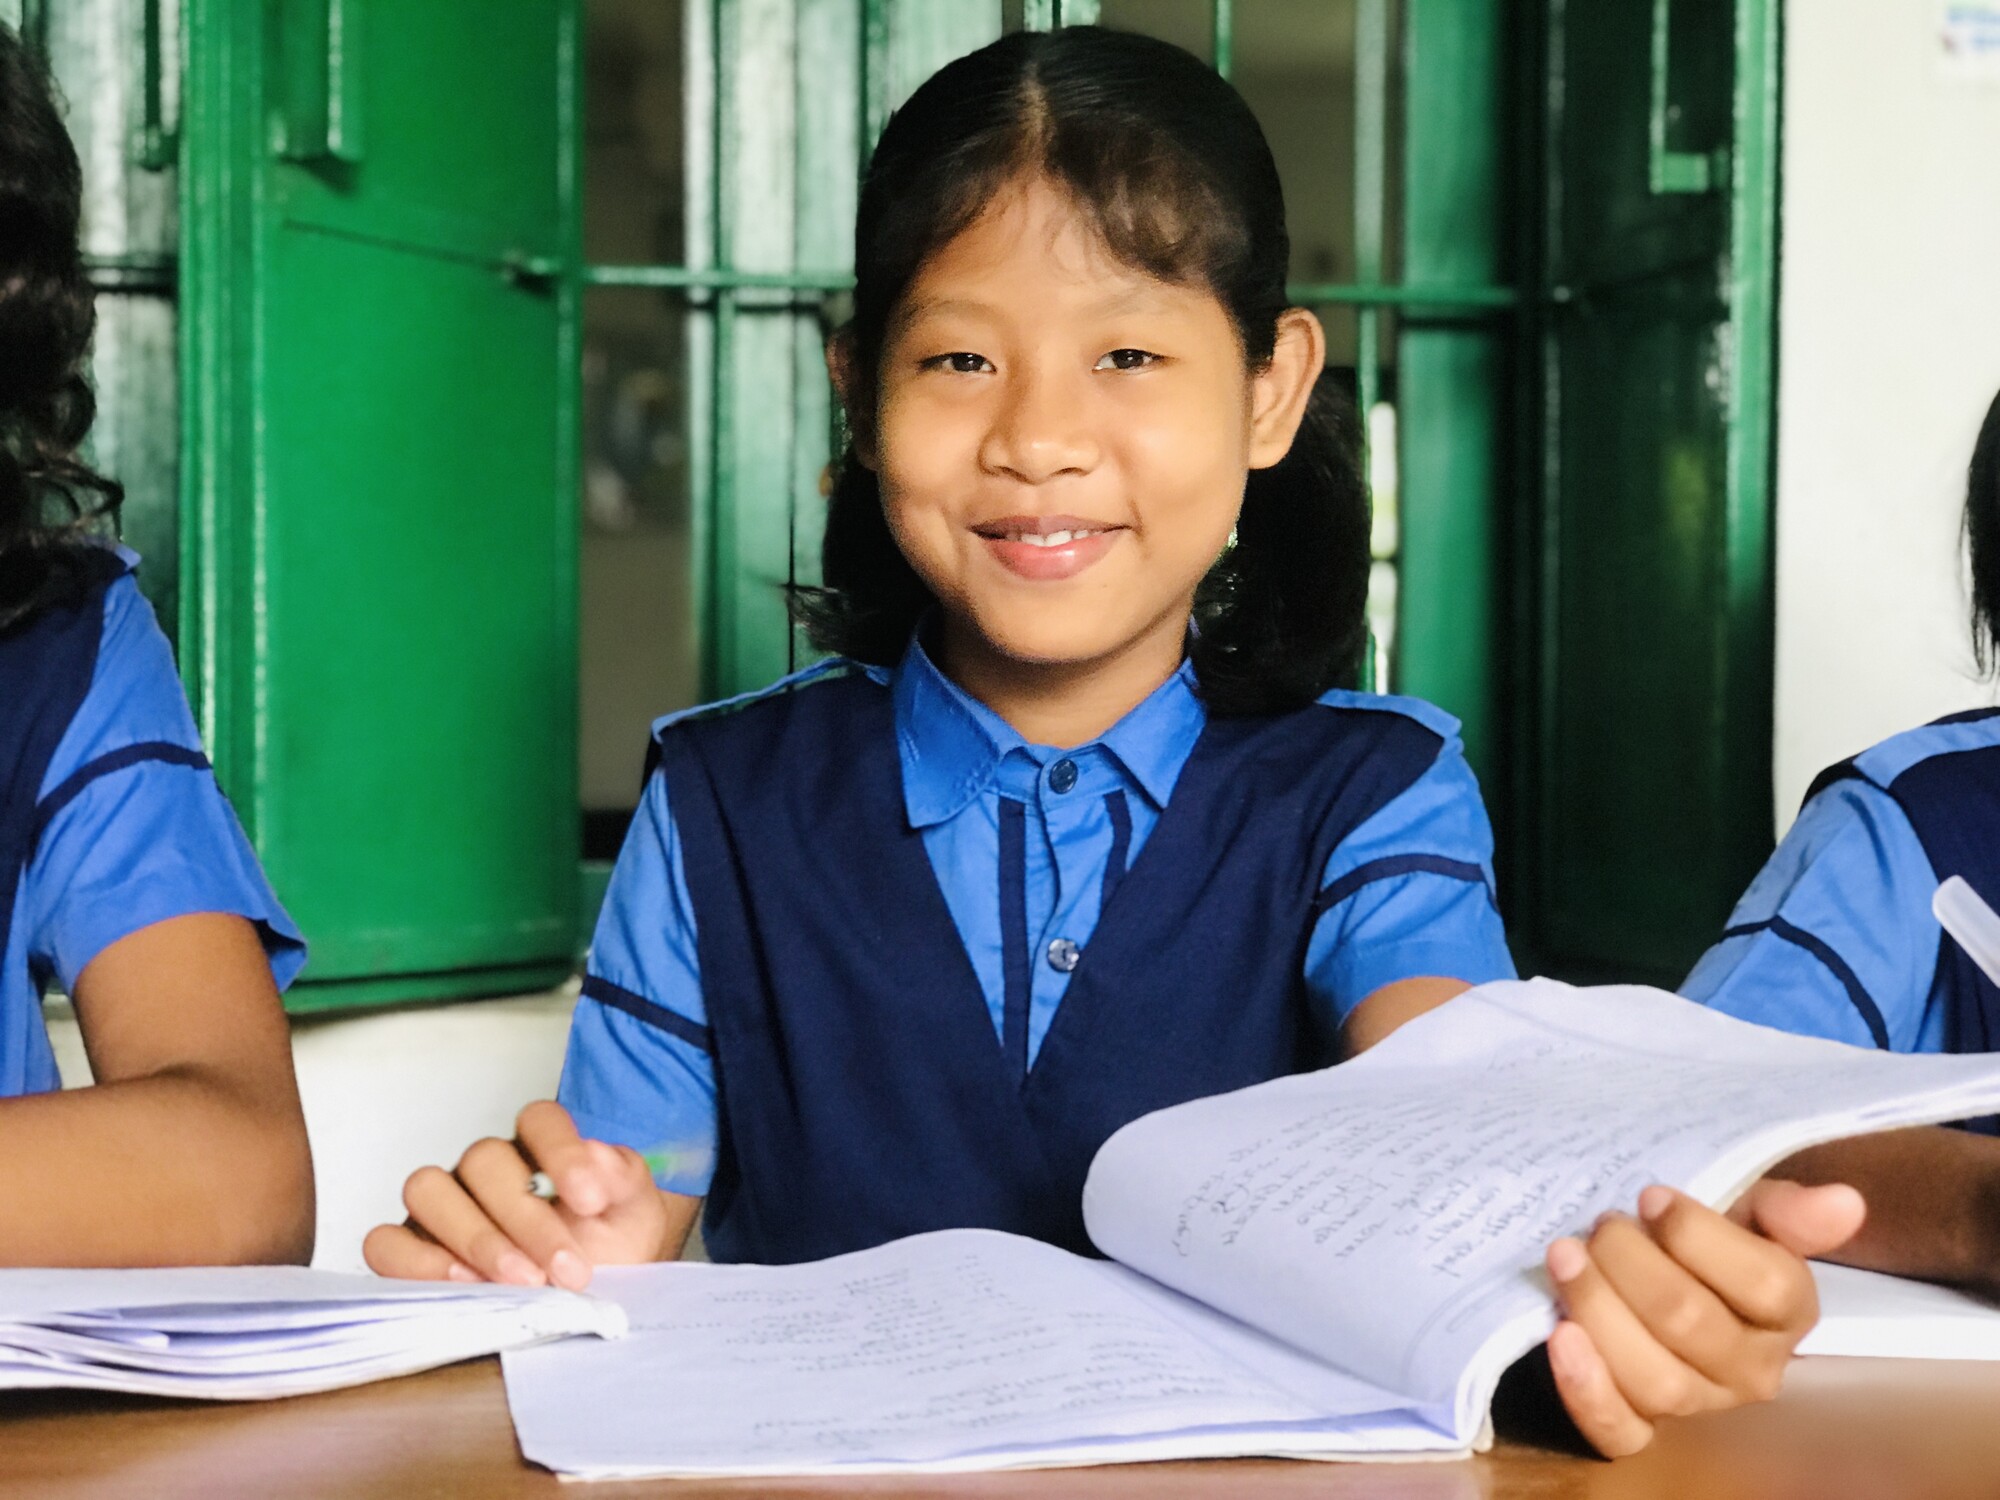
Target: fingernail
518	1269
1567	1258
568	1269
1654	1203
457	1272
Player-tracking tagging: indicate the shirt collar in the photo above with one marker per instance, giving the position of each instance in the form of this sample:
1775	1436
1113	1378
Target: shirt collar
951	744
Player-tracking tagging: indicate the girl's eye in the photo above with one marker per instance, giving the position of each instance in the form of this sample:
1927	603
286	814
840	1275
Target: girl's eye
959	362
1127	359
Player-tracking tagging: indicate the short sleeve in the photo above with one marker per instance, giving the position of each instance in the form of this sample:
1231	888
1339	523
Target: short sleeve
639	1070
1835	936
1409	894
131	828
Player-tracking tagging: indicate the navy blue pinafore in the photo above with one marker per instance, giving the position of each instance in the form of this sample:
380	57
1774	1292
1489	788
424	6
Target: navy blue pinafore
862	1093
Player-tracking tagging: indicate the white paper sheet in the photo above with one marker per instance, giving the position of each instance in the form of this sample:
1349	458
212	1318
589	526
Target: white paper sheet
1864	1313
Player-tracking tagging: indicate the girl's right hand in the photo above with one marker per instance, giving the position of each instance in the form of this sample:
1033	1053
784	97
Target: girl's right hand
482	1222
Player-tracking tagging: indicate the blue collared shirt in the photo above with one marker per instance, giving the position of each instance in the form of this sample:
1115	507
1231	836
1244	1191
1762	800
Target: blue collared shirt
1088	811
137	832
1835	936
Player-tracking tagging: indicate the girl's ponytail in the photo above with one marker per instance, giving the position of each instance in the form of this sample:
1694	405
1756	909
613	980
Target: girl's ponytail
1282	616
1982	540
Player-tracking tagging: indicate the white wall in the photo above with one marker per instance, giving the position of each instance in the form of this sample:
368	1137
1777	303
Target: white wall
387	1092
1889	351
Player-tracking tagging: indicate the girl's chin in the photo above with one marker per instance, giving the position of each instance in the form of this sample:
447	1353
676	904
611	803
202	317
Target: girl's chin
1055	638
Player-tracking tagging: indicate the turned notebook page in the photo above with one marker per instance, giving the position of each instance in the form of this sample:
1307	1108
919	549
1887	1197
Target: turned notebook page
1390	1215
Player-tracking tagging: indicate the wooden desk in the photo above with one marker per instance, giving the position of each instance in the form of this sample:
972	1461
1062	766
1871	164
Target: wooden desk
1844	1430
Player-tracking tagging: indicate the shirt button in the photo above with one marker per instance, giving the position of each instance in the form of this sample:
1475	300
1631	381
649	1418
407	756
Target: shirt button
1064	955
1062	776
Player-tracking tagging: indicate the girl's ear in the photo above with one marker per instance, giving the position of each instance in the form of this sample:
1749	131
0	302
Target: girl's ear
1279	391
860	423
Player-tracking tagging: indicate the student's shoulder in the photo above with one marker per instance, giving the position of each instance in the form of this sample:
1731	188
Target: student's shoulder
1884	764
135	700
830	684
1394	720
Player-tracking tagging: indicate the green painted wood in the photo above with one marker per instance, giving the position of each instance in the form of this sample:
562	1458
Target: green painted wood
1451	368
1654	758
380	523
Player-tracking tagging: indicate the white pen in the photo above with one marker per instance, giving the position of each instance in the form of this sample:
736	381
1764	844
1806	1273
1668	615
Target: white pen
1971	922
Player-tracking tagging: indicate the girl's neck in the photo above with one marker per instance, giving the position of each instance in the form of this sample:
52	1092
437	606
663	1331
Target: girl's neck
1063	703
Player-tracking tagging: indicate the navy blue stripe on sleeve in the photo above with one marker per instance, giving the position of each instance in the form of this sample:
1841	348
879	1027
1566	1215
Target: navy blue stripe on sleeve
116	760
1819	948
1390	867
604	992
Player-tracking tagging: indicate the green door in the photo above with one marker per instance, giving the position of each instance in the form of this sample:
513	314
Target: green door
1651	759
380	536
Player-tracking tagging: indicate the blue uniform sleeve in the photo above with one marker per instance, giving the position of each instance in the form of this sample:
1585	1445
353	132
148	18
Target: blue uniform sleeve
1835	936
132	828
639	1070
1410	893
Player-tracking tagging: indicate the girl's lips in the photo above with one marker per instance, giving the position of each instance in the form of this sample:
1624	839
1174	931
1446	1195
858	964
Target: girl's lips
1047	548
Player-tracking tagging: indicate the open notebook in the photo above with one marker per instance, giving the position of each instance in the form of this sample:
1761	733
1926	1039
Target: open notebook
238	1333
1336	1265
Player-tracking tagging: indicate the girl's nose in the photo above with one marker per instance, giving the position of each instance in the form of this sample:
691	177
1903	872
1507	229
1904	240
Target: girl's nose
1041	429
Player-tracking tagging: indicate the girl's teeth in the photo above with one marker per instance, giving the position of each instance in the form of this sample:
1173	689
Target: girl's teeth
1048	539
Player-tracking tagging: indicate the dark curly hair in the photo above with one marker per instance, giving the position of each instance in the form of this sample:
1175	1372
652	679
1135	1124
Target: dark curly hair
1170	164
1982	540
51	502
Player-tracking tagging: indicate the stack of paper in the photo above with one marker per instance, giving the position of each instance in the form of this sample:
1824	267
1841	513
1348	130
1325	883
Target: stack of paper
243	1333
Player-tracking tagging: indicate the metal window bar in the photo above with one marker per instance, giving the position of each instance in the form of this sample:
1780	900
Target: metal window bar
716	286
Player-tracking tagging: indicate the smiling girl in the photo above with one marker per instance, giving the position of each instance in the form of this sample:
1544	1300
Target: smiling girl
1082	817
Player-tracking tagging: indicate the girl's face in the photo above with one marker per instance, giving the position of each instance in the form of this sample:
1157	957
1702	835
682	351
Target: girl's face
1062	440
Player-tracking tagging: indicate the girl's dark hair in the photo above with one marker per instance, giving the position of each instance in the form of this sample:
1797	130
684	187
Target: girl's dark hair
49	499
1171	166
1982	540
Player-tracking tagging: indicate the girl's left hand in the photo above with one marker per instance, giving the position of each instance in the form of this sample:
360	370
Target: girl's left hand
1684	1310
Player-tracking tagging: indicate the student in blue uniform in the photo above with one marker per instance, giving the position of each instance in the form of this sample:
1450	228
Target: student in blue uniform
1079	821
1835	938
124	878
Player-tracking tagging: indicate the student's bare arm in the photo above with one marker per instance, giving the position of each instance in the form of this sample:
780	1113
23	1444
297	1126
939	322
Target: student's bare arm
191	1148
480	1222
1933	1199
1389	1007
